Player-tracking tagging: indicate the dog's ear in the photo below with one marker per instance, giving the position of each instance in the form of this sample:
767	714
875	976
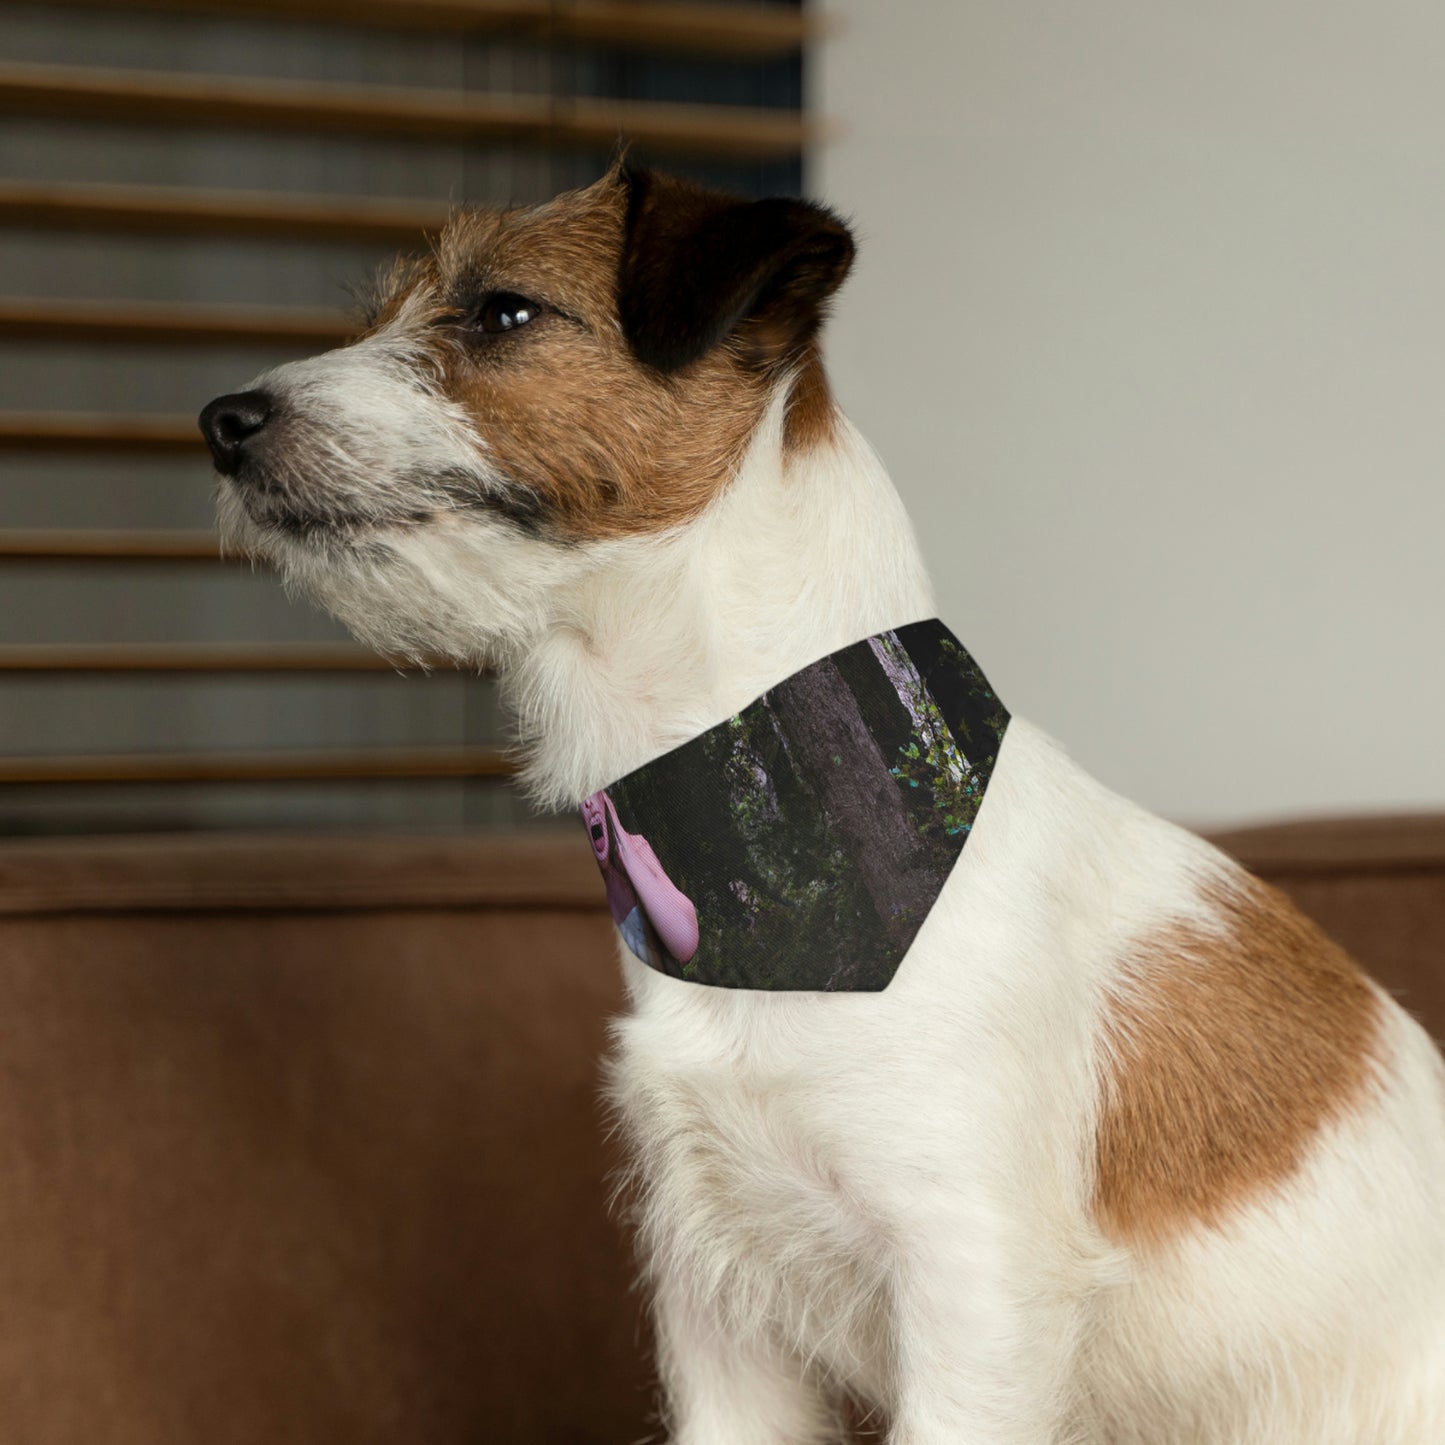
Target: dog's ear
699	266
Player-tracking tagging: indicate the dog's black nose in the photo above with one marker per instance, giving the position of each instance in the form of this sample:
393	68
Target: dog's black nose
229	422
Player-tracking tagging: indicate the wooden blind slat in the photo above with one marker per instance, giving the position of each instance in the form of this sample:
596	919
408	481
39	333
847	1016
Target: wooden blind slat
181	657
160	98
169	323
176	211
359	764
705	29
108	546
94	431
753	31
112	96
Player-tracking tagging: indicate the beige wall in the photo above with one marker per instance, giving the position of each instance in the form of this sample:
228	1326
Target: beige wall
1149	324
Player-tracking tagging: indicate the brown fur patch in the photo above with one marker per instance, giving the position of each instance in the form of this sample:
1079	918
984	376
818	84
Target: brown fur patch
700	266
604	446
812	413
597	443
1228	1052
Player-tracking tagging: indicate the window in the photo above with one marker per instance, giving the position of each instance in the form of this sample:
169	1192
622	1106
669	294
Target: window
188	192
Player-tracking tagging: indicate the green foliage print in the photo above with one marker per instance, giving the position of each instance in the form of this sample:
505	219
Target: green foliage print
813	830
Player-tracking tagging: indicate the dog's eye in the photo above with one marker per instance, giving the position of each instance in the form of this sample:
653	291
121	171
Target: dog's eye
505	311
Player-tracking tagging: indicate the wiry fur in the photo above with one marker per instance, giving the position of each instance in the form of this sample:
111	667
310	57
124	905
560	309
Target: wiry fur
895	1196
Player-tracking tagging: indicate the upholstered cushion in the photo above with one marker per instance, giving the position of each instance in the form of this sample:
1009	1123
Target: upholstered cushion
300	1141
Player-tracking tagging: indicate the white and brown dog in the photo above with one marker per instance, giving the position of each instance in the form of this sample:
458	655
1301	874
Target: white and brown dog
1127	1152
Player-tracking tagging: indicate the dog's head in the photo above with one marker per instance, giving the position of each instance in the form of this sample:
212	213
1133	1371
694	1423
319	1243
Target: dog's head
546	383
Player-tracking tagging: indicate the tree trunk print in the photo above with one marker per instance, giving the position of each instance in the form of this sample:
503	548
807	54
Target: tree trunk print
976	716
884	712
927	721
836	754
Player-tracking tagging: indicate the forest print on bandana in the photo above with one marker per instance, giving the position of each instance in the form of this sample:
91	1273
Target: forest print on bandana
801	843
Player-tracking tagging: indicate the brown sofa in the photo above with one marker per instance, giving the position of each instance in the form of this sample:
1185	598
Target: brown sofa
299	1139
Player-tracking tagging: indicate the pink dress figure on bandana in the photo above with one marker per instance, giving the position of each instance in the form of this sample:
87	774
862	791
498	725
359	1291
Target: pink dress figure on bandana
646	905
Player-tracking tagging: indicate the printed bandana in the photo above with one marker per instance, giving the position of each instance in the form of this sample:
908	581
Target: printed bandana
801	843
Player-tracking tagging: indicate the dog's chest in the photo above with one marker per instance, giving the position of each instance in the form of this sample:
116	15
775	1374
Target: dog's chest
747	1185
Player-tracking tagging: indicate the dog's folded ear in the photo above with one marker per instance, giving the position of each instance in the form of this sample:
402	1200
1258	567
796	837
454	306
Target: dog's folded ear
699	267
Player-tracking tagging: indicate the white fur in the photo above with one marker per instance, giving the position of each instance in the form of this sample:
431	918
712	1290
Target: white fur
889	1194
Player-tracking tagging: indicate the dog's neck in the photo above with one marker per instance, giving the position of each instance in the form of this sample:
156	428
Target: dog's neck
664	637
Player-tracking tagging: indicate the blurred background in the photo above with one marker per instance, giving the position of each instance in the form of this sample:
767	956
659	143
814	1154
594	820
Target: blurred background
189	193
1149	324
302	1005
1146	323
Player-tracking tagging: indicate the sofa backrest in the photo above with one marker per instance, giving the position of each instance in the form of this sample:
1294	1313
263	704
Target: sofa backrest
300	1142
300	1138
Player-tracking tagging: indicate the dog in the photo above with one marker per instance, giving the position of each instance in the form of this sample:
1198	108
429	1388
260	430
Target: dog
1127	1152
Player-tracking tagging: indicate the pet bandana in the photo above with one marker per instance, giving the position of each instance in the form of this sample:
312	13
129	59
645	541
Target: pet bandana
801	843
